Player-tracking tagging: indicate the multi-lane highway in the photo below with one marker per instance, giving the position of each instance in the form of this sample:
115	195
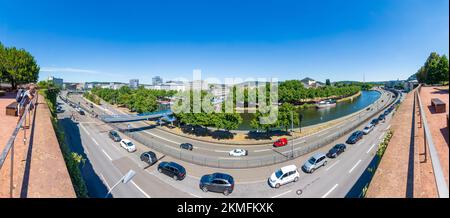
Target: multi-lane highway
107	161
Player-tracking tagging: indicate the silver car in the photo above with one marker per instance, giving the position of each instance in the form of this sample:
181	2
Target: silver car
314	163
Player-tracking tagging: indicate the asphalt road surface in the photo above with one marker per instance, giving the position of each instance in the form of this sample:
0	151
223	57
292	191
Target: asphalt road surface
106	162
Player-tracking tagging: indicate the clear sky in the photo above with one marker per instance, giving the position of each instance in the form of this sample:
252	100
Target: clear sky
336	39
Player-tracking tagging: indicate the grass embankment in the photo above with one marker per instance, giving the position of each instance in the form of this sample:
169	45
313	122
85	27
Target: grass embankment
72	159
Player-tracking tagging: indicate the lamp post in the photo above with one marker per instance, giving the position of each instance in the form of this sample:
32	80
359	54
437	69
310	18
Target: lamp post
125	179
292	130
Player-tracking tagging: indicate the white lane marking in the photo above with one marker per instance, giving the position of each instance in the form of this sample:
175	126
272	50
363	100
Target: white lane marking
85	129
262	150
359	161
194	177
251	182
381	136
195	195
370	148
332	189
142	191
94	141
161	137
388	127
221	151
332	165
276	196
104	180
104	152
229	158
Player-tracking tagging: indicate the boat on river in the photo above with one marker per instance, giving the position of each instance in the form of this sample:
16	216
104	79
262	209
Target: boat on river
326	103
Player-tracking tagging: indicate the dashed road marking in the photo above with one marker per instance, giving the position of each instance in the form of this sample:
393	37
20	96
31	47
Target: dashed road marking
161	138
95	141
276	196
332	189
359	161
195	195
109	157
142	191
370	148
262	150
221	151
332	165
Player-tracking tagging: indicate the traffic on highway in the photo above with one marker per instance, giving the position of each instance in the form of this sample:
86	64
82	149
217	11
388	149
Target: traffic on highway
319	173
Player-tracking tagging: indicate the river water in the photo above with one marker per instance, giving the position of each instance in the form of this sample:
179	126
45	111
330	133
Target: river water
312	116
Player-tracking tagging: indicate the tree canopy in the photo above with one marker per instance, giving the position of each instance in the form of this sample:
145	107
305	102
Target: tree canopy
17	66
434	70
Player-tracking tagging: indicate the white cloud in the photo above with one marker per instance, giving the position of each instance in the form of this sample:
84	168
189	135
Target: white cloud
68	70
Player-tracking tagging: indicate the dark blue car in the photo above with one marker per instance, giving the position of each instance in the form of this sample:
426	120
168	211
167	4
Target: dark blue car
355	137
217	182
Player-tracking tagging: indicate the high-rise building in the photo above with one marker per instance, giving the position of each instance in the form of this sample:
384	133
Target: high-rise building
57	81
157	80
134	83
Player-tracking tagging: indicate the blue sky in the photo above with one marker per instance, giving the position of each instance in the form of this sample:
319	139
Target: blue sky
335	39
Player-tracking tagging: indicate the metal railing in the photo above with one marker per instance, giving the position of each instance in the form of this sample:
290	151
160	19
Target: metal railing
9	148
441	185
260	161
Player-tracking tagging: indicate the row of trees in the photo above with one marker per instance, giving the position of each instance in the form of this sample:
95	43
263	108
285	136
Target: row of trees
435	70
293	91
139	100
17	66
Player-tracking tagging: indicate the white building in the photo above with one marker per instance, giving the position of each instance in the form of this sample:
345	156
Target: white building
310	83
168	86
134	83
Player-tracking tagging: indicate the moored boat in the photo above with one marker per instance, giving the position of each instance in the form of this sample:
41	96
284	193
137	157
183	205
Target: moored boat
326	103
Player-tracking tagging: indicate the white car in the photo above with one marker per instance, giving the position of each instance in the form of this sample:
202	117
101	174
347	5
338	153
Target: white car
283	176
128	145
238	152
368	128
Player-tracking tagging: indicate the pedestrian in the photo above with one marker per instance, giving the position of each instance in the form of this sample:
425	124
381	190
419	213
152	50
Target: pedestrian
27	98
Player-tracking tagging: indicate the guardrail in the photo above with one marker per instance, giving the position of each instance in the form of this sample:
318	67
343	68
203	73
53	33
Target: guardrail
9	149
441	185
260	161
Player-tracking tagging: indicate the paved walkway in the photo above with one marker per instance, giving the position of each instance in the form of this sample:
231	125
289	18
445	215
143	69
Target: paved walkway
39	167
394	176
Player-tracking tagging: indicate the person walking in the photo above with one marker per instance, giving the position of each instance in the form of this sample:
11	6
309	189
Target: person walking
26	99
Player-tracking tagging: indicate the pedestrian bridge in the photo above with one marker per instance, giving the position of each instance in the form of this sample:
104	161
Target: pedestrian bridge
116	118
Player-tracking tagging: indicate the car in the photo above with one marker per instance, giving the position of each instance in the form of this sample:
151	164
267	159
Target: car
381	117
355	137
79	110
127	145
368	128
149	157
283	176
172	169
187	146
114	136
374	122
336	150
59	109
217	182
238	152
280	142
315	162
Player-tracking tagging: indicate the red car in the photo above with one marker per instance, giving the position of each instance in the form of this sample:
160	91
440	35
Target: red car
280	142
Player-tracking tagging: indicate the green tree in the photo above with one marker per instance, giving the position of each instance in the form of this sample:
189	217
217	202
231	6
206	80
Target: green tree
284	116
327	82
17	66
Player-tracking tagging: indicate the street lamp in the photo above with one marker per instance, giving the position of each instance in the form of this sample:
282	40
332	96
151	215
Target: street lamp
292	130
125	179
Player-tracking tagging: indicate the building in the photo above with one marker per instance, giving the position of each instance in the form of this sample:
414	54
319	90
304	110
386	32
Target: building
157	80
168	86
57	81
134	83
311	83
